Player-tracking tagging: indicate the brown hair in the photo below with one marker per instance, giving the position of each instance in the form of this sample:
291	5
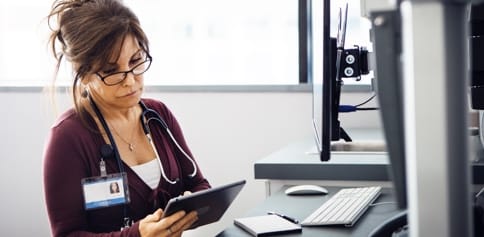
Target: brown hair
90	33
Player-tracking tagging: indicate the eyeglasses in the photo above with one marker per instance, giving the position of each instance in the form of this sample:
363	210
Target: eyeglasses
117	77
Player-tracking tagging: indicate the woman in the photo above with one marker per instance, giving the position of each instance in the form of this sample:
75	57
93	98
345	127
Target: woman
102	139
114	187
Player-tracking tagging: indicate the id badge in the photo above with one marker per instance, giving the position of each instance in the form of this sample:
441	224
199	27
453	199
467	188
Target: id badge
105	191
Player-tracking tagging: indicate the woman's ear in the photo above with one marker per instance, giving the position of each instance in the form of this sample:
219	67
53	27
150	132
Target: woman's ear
85	87
85	92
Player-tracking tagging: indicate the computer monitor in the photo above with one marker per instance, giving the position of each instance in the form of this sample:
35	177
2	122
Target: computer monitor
389	88
387	40
319	72
323	65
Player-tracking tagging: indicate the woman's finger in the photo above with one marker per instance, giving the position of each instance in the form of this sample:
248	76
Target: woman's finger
172	219
184	223
155	216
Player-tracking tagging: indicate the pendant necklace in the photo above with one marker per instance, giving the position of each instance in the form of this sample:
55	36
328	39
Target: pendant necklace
130	144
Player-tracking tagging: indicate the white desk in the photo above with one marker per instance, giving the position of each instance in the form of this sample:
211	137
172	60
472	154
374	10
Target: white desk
293	165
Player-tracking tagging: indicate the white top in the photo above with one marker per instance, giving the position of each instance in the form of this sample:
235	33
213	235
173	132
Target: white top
149	172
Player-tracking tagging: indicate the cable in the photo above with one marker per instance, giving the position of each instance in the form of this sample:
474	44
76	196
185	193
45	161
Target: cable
353	108
346	108
381	203
366	101
368	108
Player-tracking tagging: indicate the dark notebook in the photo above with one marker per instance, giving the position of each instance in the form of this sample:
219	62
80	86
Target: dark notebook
267	225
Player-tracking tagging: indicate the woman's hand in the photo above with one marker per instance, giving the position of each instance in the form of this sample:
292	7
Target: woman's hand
174	225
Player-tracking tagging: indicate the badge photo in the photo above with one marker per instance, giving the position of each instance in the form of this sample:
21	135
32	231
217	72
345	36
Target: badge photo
105	191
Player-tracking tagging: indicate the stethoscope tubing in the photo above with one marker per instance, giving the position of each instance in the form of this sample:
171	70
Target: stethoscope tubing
156	116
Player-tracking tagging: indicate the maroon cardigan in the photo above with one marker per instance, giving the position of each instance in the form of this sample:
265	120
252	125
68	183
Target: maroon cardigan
73	152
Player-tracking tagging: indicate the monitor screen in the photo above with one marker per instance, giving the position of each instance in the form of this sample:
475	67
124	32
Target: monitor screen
318	37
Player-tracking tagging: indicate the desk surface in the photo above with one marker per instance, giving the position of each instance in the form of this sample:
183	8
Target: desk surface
301	206
294	163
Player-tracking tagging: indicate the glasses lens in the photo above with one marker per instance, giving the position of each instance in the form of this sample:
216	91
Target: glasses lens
141	68
114	79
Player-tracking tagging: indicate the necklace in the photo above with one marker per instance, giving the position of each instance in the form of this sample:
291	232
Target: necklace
130	144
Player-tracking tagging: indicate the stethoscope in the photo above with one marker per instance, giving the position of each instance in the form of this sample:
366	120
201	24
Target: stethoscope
147	115
155	116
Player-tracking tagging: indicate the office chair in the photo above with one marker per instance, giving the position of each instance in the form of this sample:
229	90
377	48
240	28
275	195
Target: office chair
394	227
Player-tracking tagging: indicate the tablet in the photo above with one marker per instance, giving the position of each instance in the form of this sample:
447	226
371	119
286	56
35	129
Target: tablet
210	204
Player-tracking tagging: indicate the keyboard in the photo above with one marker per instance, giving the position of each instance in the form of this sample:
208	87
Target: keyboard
344	208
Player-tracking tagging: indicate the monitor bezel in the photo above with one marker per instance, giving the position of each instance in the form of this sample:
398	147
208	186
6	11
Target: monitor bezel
324	83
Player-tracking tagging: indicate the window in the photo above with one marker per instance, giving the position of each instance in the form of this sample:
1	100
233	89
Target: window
24	58
193	42
217	42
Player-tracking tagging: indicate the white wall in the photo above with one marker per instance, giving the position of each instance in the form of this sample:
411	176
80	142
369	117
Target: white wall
227	132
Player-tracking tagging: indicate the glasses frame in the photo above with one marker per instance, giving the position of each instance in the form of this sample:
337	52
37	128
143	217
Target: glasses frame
103	78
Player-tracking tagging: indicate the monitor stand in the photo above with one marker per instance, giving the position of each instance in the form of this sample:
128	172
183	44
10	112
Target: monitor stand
344	135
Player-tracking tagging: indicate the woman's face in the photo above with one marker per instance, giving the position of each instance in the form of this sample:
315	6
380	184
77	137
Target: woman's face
127	93
114	186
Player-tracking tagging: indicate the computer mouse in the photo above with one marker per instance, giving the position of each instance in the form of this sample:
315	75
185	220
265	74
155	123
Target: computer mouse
306	189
